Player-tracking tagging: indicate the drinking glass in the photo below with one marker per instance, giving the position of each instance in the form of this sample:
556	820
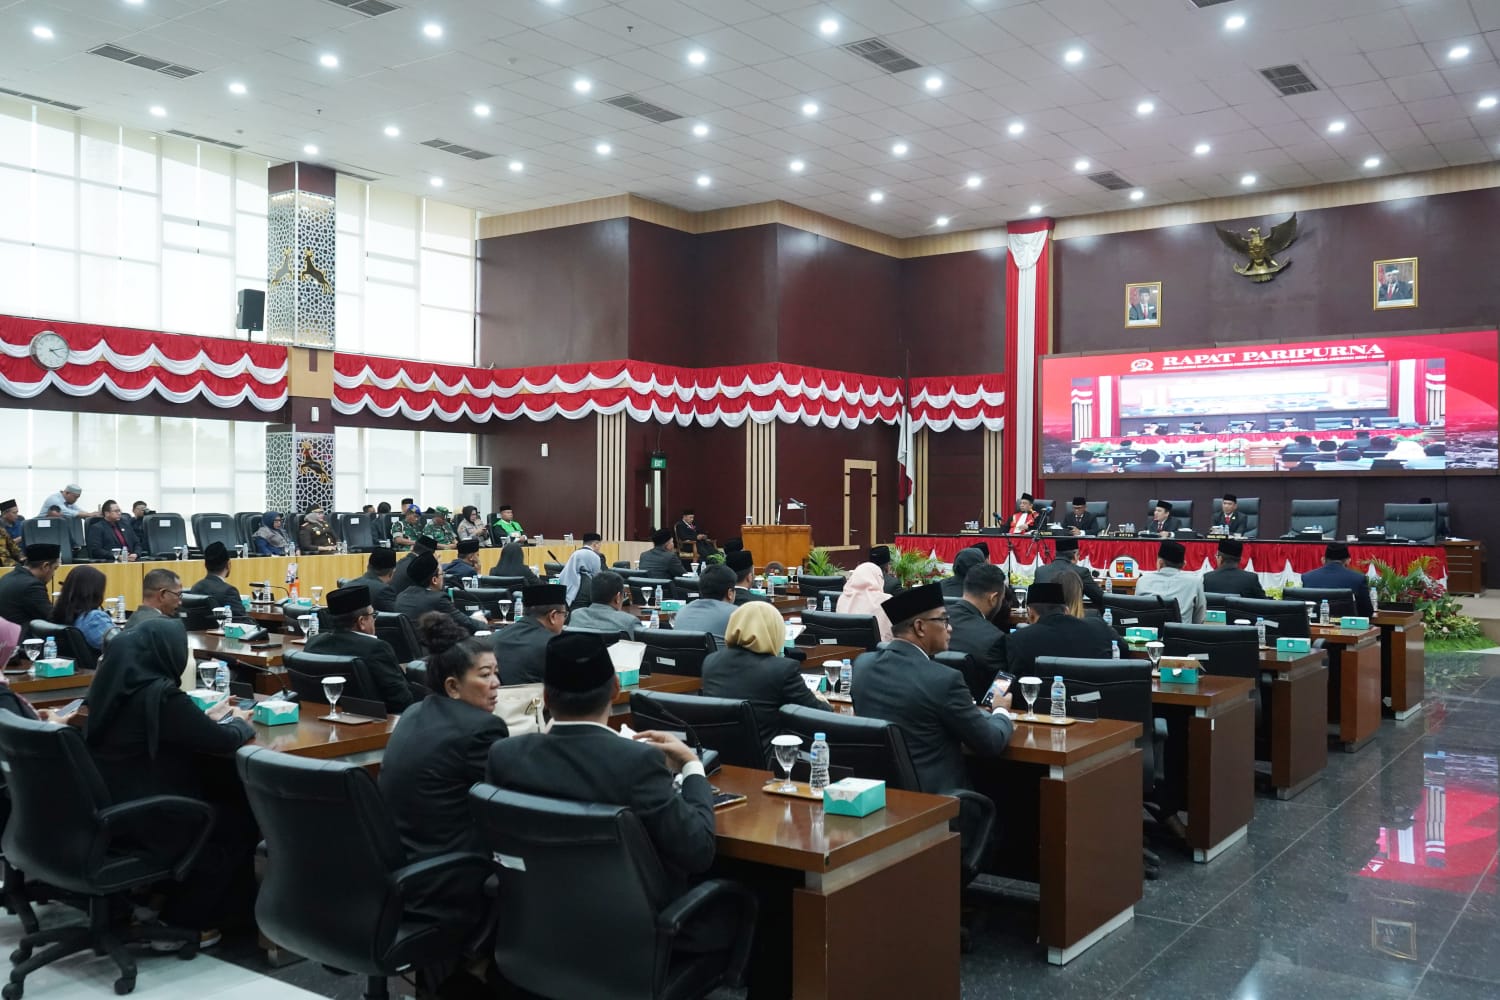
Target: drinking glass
317	596
221	615
504	610
303	622
786	747
33	648
1030	688
333	687
119	554
207	670
832	669
1153	651
812	604
1021	598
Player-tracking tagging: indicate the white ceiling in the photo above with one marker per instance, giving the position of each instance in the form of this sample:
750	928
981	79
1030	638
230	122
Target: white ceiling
1382	66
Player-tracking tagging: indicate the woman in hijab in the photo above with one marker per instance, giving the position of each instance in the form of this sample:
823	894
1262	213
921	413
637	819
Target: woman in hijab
513	563
78	605
147	738
751	668
582	566
470	526
268	538
10	701
864	593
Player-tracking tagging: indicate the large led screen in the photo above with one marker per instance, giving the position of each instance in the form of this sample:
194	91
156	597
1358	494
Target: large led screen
1420	403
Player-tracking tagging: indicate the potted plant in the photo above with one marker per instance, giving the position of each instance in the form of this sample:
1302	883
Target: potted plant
913	568
817	563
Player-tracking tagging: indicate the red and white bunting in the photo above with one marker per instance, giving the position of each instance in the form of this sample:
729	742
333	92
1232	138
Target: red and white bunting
961	402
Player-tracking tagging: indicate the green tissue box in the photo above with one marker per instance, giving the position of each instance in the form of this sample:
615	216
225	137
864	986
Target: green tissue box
854	797
1215	618
274	712
758	591
239	630
299	602
206	699
629	678
58	666
1179	675
1141	633
1288	645
671	605
1359	622
779	581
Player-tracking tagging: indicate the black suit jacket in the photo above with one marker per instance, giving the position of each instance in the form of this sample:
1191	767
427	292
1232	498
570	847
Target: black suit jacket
414	602
1240	582
378	657
743	596
400	581
1092	592
931	705
22	598
223	592
1333	575
892	585
1237	524
589	763
382	595
1058	635
764	680
661	564
521	650
976	635
101	540
1170	524
1085	523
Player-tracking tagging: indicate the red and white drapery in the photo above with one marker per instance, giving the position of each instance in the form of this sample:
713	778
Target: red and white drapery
133	365
962	402
1028	327
642	390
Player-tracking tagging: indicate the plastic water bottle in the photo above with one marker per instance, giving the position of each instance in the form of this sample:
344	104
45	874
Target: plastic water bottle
515	595
819	776
827	602
49	648
1323	612
1260	630
655	619
120	608
1374	599
1114	650
1059	698
221	676
312	624
1109	618
846	677
1109	584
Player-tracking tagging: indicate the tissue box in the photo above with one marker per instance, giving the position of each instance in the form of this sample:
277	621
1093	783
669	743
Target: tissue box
298	602
1179	670
1141	633
758	591
274	712
1289	645
1355	622
779	581
1215	618
854	797
206	699
629	678
58	666
239	630
671	605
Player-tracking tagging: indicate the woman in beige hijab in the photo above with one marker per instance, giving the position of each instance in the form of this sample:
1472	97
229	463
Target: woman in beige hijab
864	593
750	667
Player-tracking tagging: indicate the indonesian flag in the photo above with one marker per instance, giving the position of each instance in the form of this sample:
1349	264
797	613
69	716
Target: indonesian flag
905	483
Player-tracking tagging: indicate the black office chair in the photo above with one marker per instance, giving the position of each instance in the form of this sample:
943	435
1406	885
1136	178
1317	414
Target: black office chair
576	851
197	612
399	633
1140	611
357	532
666	588
1099	511
620	564
1216	601
1443	523
165	532
1414	522
291	524
832	628
70	642
1308	515
723	724
817	586
64	831
610	636
977	677
51	531
1284	619
248	523
337	880
1233	651
210	528
1341	601
78	535
505	583
305	672
487	598
675	651
551	569
1250	507
685	584
1181	509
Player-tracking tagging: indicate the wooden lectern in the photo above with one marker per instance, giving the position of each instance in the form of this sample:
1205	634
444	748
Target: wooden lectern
787	544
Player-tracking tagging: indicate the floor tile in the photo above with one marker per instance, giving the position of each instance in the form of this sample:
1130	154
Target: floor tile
1471	950
1441	986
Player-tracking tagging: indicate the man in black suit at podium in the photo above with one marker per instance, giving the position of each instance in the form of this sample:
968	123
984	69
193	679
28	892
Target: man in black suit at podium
1229	519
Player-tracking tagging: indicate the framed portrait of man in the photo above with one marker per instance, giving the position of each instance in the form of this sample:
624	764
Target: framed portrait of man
1396	283
1143	304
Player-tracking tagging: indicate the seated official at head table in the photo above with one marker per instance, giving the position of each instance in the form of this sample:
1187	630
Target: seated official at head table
1078	520
1229	519
108	533
1162	522
1026	518
1174	583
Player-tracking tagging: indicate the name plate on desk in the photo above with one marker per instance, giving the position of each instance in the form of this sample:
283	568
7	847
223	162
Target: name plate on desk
1357	622
1290	645
58	666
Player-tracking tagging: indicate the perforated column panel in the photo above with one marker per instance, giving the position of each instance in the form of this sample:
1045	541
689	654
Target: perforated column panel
994	501
920	443
610	476
760	472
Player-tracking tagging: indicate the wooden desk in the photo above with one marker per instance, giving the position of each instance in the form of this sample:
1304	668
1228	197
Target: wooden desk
1465	566
323	571
1220	758
207	646
44	692
876	914
787	544
312	737
1299	719
1403	660
1354	670
819	655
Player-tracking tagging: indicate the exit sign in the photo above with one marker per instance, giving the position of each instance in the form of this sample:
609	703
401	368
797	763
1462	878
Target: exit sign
658	460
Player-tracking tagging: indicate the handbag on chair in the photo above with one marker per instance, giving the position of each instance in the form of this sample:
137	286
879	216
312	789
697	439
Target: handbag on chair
520	707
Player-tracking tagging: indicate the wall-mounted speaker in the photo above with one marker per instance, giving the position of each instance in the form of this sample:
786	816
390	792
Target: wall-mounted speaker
252	310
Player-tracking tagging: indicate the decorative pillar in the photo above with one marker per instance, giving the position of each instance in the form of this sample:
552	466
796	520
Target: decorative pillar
299	455
1028	335
610	479
760	474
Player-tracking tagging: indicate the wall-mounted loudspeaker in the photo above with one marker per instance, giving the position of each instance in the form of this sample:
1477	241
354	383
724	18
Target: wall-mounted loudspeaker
252	310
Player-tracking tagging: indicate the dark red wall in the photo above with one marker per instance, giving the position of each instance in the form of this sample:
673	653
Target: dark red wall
552	495
953	312
955	480
705	471
810	467
839	306
737	299
662	292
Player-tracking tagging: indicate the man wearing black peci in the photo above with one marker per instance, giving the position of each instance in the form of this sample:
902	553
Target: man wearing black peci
1054	632
1162	522
353	634
1229	578
379	572
1066	561
1230	520
1079	521
1335	572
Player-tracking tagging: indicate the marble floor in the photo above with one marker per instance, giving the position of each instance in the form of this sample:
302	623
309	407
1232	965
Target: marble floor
1377	883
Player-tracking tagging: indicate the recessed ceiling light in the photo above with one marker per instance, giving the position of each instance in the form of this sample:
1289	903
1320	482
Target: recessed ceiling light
237	88
328	60
973	181
583	86
43	32
432	29
941	221
900	149
704	180
436	182
1458	52
135	3
1015	128
1247	180
1485	103
796	166
1033	210
877	196
1335	127
516	166
810	108
1137	194
603	149
1371	162
157	111
1073	56
1234	22
310	149
482	110
700	130
1081	165
1145	107
933	83
1202	149
697	57
392	131
828	26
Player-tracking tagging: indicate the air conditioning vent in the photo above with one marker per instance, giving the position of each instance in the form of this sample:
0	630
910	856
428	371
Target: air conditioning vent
1110	181
1289	80
457	150
205	138
369	8
124	55
1200	4
876	50
42	100
636	106
475	475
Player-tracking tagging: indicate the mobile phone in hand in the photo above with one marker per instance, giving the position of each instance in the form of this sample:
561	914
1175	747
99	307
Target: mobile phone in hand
999	689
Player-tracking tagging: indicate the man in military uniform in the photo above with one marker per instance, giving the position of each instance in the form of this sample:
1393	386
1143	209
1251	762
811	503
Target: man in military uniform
405	532
315	536
440	531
